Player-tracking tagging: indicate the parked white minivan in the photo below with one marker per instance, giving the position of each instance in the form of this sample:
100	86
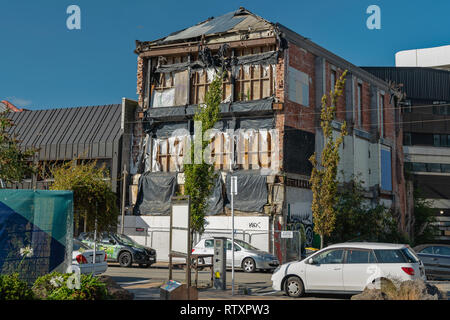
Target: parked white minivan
347	268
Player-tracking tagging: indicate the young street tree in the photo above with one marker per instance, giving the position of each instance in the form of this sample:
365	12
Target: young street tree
199	175
324	173
92	195
15	164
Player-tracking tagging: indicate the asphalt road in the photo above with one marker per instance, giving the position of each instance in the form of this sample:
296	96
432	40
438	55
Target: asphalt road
145	283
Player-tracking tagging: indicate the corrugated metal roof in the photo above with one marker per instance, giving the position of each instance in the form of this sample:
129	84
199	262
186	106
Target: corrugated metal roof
241	19
2	107
418	83
84	132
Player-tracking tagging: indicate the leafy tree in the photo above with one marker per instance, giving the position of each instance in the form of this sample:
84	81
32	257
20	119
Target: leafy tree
323	176
92	195
425	228
358	220
15	163
199	175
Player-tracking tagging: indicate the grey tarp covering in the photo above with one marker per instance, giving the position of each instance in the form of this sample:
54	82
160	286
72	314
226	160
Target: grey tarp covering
154	193
253	59
260	58
166	129
252	106
215	201
252	191
184	112
259	123
165	112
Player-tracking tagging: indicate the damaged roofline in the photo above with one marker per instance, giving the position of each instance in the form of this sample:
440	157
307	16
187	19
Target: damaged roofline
319	51
142	46
189	47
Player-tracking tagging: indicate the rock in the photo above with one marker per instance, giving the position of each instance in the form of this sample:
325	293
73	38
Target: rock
406	290
115	290
370	294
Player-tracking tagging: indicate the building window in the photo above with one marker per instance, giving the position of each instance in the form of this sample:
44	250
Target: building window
406	106
386	169
332	80
298	87
407	138
441	140
441	109
381	113
359	93
254	82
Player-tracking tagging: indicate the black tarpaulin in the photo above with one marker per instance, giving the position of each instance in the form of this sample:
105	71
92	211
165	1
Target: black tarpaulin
154	193
213	61
252	106
215	201
166	129
261	58
252	191
257	124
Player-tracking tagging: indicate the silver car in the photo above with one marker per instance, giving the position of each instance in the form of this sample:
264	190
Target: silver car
436	258
246	256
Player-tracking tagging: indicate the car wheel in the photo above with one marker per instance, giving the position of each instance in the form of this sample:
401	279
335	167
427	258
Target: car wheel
294	287
248	265
125	259
200	261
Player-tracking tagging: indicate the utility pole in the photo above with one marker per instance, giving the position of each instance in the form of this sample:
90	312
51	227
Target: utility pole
233	193
95	239
124	188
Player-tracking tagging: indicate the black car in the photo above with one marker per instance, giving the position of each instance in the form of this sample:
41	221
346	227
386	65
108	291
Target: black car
436	259
121	248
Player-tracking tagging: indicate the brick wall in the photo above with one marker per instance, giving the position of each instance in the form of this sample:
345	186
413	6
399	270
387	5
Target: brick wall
297	115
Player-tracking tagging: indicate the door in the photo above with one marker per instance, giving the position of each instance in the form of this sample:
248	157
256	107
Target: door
429	260
326	273
359	266
237	254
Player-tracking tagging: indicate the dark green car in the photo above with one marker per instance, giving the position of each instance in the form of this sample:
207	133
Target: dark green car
120	248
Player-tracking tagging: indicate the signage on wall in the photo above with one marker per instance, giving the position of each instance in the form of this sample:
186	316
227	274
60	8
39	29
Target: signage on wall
287	234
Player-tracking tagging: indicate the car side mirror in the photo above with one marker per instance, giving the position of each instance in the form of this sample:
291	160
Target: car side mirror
311	261
111	241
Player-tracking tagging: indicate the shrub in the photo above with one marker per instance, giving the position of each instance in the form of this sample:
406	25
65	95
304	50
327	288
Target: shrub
53	286
13	288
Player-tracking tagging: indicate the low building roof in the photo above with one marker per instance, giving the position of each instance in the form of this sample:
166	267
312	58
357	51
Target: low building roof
68	133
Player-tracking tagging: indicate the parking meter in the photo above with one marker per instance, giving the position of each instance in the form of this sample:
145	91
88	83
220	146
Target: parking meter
220	263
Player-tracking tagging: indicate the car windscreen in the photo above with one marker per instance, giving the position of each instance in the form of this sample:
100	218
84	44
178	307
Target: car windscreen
410	256
390	256
126	240
245	245
77	245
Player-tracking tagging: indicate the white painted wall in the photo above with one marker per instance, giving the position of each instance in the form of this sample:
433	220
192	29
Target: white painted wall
253	229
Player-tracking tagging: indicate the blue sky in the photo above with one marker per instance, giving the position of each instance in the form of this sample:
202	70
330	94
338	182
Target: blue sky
45	65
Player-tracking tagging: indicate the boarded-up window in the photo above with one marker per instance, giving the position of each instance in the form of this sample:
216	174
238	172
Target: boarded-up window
298	87
254	82
172	87
256	149
168	153
201	80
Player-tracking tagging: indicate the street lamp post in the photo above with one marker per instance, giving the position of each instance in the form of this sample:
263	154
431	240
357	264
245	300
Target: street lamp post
233	193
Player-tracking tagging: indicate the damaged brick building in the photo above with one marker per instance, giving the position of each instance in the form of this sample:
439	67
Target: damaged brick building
269	127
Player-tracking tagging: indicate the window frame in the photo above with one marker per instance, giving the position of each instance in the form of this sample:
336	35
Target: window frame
370	251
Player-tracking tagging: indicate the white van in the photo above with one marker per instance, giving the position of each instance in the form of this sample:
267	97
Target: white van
347	268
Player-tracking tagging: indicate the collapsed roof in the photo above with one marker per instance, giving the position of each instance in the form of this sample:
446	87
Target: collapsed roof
239	22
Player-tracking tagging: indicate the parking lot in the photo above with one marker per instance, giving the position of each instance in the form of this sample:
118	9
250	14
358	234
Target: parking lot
145	283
